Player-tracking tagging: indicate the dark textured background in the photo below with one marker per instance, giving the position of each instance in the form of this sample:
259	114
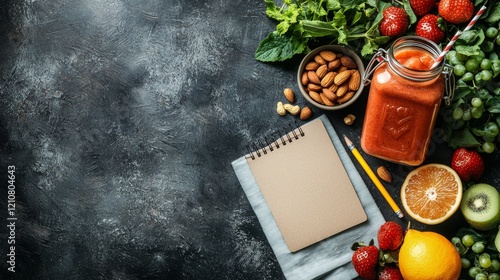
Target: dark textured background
122	118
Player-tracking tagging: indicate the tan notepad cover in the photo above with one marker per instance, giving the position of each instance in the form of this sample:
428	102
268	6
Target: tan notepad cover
307	188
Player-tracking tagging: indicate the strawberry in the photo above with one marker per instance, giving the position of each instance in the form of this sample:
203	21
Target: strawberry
390	236
468	164
365	261
390	272
429	27
394	22
456	11
422	7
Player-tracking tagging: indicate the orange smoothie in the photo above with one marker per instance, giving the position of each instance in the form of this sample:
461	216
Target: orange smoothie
401	112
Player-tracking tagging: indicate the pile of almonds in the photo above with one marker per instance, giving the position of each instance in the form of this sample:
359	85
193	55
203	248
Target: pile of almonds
331	78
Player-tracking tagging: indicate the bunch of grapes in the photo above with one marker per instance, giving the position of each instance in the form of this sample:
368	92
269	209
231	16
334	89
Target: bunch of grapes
475	111
480	259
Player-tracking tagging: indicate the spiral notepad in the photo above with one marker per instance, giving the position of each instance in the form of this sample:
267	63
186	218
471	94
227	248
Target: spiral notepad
329	258
305	184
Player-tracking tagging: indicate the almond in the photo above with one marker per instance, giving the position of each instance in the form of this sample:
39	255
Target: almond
328	55
313	78
332	65
342	90
333	88
312	66
315	96
329	94
346	97
289	94
348	62
305	113
320	60
342	77
314	87
328	79
304	80
325	100
321	71
384	174
355	80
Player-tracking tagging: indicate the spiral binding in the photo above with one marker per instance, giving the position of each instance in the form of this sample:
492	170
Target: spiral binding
268	144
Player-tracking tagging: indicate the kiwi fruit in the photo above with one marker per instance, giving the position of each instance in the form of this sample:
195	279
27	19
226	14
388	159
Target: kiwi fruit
480	206
497	240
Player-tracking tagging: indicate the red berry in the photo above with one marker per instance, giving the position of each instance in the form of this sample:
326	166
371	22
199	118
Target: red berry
456	11
394	22
365	261
428	27
390	272
422	7
390	236
468	164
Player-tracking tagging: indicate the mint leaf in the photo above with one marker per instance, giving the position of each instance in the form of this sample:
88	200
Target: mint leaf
333	5
276	47
317	28
494	15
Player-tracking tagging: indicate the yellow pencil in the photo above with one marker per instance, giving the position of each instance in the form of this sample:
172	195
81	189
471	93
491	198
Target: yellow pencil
373	177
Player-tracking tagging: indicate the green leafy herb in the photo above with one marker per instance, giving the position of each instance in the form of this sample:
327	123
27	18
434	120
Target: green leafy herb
304	22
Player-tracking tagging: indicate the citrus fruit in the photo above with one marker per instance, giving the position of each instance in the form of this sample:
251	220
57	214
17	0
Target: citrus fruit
427	255
431	193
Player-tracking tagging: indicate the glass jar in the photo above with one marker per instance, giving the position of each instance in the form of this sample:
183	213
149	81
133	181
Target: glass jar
404	99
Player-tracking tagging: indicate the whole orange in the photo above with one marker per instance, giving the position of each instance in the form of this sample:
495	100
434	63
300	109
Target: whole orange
427	255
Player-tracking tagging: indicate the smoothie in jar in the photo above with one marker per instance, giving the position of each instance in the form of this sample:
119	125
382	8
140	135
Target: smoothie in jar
403	103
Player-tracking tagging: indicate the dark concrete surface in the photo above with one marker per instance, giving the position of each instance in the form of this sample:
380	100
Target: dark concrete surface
121	119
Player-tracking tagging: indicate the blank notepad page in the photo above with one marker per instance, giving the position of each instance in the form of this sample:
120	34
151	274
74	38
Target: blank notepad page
307	188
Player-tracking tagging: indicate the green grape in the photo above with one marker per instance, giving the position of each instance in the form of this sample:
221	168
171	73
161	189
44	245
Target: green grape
495	265
466	263
467	77
486	75
478	247
491	32
476	112
493	276
458	113
488	147
459	70
484	260
481	276
485	64
472	65
488	46
468	240
467	115
497	40
473	271
492	129
493	56
476	102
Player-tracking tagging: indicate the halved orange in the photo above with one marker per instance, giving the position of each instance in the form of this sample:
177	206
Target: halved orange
431	193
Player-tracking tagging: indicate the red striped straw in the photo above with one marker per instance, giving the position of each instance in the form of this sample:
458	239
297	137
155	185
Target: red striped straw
455	37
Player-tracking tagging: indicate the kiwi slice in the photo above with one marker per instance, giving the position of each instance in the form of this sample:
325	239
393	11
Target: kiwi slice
497	240
480	206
